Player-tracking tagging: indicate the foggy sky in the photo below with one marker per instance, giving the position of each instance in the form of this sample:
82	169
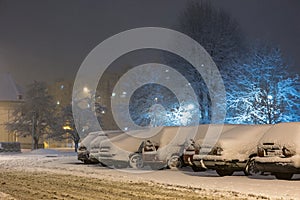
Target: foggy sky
49	39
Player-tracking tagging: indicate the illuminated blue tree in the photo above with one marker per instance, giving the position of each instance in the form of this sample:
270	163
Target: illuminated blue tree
261	91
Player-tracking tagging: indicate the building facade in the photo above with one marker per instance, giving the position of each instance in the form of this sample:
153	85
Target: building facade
10	97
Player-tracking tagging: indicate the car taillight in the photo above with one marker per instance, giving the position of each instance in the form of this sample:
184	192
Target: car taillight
260	151
219	151
287	152
216	151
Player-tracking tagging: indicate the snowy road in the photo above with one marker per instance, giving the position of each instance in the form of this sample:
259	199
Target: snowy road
262	186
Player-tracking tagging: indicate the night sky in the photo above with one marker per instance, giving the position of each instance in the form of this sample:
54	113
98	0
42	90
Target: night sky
48	39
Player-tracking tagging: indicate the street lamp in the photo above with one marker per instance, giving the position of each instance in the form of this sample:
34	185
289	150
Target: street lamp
86	90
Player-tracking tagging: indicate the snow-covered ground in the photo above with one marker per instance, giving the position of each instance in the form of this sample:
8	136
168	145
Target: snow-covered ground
66	163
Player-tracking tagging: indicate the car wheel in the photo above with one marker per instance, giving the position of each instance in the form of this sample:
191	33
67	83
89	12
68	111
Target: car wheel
136	161
224	172
87	162
251	169
284	176
175	162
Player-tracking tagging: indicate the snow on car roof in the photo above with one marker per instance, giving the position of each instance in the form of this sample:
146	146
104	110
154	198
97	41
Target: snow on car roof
104	135
164	136
131	140
241	141
92	135
245	133
211	130
87	140
284	134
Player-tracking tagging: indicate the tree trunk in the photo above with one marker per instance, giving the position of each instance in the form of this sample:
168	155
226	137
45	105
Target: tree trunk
36	143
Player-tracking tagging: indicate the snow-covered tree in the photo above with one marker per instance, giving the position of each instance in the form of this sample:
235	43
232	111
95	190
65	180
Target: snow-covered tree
220	36
261	91
154	105
86	107
65	127
36	115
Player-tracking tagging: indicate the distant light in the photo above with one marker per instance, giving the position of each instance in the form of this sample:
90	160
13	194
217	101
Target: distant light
270	97
155	99
202	65
123	95
167	70
88	105
62	87
126	128
113	94
190	106
57	102
86	90
67	127
103	112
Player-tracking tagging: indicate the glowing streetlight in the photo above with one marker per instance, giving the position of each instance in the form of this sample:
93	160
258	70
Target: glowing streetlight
190	106
86	90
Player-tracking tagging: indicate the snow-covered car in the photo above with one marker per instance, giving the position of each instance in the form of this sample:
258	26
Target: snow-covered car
83	151
126	149
87	144
233	151
150	154
95	143
279	151
193	146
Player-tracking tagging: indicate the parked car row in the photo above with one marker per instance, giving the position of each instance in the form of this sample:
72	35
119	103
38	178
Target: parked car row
248	148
